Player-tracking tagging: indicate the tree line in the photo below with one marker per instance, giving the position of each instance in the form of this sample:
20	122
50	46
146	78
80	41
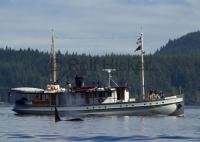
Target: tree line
165	72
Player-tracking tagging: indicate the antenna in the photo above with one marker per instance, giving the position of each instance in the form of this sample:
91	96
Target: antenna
110	76
180	90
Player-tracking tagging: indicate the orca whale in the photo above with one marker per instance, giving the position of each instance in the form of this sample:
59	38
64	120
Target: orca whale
57	117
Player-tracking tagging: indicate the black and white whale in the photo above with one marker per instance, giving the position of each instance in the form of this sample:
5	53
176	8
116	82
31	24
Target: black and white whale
57	117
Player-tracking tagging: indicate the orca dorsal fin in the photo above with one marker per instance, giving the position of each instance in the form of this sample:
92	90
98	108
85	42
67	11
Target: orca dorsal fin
57	117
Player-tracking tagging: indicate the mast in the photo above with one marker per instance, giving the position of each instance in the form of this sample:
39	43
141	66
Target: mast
141	48
142	69
53	60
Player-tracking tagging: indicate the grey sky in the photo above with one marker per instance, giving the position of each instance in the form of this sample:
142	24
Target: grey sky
95	26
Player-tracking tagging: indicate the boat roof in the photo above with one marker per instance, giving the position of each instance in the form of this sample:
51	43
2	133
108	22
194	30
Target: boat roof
27	90
84	89
88	89
31	91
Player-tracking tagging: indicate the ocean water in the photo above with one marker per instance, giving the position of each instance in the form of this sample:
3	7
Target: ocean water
18	128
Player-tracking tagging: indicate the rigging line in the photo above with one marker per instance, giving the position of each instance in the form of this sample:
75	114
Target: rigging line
85	38
114	82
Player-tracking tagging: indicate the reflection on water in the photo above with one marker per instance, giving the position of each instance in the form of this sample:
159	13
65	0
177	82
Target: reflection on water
109	128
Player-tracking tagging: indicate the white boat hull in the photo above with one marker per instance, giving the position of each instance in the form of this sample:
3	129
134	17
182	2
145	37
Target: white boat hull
171	106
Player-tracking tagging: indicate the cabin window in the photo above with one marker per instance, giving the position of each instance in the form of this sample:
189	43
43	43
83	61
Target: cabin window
40	96
109	94
74	99
103	94
53	99
87	99
106	94
46	97
100	95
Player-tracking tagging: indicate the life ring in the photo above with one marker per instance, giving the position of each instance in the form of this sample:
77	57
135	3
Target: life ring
100	100
179	106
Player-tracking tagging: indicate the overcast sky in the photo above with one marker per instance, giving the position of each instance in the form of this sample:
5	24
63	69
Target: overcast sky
95	26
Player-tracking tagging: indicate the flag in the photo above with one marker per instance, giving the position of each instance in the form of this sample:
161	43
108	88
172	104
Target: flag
139	40
139	43
138	48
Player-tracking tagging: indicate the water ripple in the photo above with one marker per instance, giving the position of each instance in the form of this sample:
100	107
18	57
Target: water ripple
21	136
130	138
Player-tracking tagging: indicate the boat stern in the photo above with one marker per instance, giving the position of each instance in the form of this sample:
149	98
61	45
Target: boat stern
179	106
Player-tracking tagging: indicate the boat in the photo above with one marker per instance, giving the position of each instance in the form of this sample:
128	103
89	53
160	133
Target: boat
94	99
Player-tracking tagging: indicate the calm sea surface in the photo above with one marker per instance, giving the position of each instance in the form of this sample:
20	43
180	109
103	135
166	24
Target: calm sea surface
15	128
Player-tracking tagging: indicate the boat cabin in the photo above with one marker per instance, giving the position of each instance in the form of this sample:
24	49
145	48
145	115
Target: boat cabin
94	96
84	95
76	95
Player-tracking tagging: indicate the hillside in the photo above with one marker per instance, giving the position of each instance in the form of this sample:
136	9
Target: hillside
188	44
